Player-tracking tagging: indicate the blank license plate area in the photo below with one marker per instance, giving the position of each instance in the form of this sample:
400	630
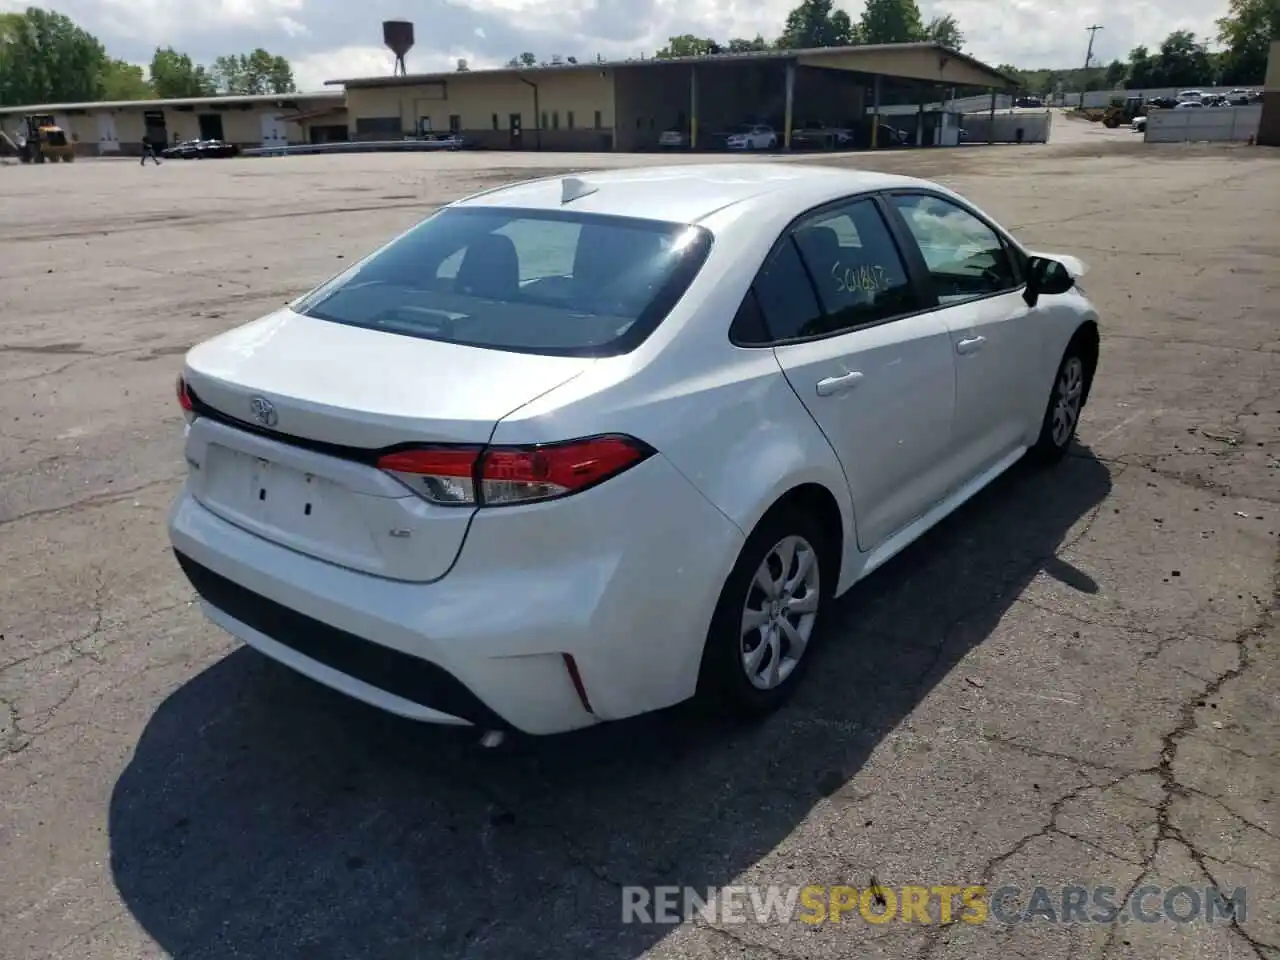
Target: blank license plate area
279	500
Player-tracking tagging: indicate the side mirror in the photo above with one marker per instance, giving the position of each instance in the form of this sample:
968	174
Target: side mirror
1046	277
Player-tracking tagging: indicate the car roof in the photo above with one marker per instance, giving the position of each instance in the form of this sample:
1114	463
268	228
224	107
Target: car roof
688	193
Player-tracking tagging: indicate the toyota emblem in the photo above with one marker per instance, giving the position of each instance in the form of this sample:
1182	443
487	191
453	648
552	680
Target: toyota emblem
263	411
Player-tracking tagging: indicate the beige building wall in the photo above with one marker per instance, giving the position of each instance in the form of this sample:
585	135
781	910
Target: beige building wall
1269	125
577	107
125	126
931	65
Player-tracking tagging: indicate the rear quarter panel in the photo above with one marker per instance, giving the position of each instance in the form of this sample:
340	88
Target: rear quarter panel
724	416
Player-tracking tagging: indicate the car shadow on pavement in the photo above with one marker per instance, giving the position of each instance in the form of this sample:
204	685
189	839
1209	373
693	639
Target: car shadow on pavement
263	816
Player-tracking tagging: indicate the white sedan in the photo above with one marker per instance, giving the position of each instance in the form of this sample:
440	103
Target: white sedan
757	136
576	449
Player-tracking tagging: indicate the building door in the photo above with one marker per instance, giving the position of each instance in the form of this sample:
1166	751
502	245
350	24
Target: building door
514	126
155	129
108	141
274	133
210	126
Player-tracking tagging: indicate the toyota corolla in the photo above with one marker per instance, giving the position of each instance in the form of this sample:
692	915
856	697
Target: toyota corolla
576	449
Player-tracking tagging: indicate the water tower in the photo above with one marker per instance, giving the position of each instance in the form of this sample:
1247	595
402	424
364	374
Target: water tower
398	36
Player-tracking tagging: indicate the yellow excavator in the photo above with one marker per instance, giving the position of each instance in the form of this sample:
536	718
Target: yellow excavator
1122	111
45	140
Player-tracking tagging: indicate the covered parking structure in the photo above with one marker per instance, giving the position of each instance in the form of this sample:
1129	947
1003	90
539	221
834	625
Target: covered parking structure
628	105
833	87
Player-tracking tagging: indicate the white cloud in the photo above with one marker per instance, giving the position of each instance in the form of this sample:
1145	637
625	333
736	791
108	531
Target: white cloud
328	39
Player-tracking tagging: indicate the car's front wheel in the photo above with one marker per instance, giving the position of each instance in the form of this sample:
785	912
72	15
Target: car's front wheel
767	616
1066	402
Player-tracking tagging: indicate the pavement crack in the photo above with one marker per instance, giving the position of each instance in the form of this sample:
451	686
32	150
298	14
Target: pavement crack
100	499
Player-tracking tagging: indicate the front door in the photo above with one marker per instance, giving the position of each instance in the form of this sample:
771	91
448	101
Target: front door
274	132
108	140
514	126
876	373
977	278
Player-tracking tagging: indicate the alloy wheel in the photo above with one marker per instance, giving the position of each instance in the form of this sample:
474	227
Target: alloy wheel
1067	397
780	612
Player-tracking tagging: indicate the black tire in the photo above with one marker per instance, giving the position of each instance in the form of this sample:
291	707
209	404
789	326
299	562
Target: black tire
723	682
1071	380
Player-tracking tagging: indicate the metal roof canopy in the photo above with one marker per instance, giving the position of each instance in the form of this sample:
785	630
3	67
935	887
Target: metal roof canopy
228	100
930	62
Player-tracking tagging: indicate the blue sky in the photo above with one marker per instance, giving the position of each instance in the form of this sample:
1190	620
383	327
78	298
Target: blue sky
331	39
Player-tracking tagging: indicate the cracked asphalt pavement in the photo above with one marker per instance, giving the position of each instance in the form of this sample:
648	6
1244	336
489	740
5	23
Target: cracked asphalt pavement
1072	681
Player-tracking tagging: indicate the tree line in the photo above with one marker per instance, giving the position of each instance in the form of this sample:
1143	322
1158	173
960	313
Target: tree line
45	57
1182	60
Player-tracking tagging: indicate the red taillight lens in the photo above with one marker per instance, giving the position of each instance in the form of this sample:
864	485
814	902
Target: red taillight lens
496	476
184	398
440	474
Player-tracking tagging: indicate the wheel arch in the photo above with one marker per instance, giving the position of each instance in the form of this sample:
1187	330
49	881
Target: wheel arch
1088	339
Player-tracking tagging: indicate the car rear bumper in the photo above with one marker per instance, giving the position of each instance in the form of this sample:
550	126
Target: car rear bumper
622	578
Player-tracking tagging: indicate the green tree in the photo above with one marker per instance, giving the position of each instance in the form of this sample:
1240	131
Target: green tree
891	21
46	58
742	45
253	73
1117	73
1144	69
1247	31
174	75
946	31
1184	61
816	23
125	81
687	45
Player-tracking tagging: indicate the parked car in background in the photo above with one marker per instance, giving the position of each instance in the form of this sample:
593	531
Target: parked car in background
200	150
673	138
443	141
1028	102
751	136
1188	95
1163	103
1190	105
1139	124
668	417
815	135
1239	97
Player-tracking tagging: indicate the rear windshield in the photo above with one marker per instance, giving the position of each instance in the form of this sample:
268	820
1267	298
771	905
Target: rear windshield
530	281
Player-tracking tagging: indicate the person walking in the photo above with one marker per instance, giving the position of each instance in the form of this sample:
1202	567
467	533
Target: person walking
149	150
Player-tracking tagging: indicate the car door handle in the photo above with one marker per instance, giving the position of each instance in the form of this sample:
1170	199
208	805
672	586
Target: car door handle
830	386
970	345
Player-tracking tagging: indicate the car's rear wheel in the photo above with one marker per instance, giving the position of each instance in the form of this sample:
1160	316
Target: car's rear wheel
1066	402
767	617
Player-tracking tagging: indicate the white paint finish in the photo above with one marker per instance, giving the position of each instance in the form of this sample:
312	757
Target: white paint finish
625	575
1217	124
108	139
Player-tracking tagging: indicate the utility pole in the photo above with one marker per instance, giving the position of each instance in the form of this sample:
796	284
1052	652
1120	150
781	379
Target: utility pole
1093	32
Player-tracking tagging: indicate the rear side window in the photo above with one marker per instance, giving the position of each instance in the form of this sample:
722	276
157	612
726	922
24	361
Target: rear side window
785	295
532	281
856	267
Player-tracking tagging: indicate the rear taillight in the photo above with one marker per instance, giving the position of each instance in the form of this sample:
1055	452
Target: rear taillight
184	400
502	476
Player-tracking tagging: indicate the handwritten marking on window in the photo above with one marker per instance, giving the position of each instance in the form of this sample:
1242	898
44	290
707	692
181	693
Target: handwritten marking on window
868	278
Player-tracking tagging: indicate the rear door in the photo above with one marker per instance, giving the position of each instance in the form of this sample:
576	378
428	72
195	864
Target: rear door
875	370
976	277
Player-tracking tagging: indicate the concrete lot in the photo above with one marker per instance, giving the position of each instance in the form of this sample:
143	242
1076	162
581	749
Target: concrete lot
1073	681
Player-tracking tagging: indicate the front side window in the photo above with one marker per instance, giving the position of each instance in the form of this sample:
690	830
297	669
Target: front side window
534	281
966	259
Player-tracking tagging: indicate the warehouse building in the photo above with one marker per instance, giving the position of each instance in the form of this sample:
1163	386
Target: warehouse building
626	106
247	121
1269	125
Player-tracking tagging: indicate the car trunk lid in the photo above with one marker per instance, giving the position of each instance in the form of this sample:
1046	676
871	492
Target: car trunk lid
292	411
